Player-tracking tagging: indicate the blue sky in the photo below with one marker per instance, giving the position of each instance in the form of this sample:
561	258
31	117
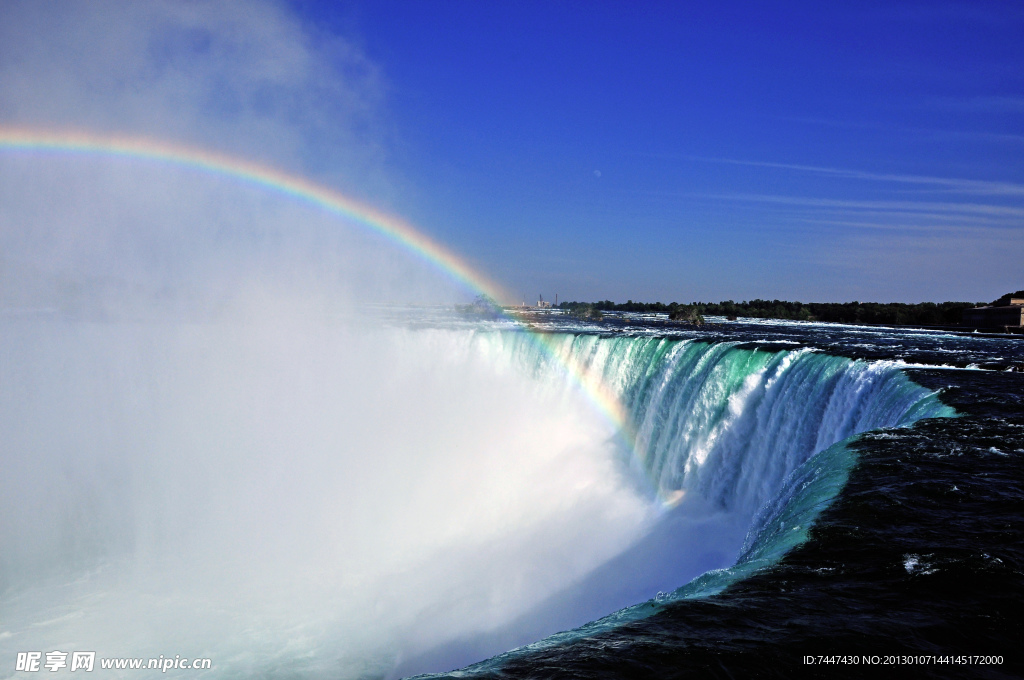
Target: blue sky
684	151
623	150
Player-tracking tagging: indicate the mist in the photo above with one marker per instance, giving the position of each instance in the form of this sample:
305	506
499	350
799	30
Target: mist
233	427
216	445
182	487
211	445
227	435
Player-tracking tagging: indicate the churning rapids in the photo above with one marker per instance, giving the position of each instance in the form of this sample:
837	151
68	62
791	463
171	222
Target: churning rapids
336	499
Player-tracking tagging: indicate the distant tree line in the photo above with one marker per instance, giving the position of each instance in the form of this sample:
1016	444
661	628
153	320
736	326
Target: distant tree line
923	313
1005	300
594	310
582	310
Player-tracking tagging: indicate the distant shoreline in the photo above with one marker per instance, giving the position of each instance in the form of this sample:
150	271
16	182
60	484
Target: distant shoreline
937	315
615	319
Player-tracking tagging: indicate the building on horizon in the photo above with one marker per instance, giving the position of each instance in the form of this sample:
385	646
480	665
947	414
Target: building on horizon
1008	316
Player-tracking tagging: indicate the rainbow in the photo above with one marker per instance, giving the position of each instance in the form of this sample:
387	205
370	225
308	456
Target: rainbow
14	139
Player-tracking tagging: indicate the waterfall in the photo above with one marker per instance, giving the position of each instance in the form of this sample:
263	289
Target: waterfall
726	422
377	500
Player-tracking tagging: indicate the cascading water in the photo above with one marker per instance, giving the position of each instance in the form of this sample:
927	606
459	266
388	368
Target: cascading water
739	448
296	497
733	423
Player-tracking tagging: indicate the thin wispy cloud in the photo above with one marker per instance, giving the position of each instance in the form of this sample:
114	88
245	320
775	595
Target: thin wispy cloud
890	206
968	186
1001	215
930	133
903	219
971	229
